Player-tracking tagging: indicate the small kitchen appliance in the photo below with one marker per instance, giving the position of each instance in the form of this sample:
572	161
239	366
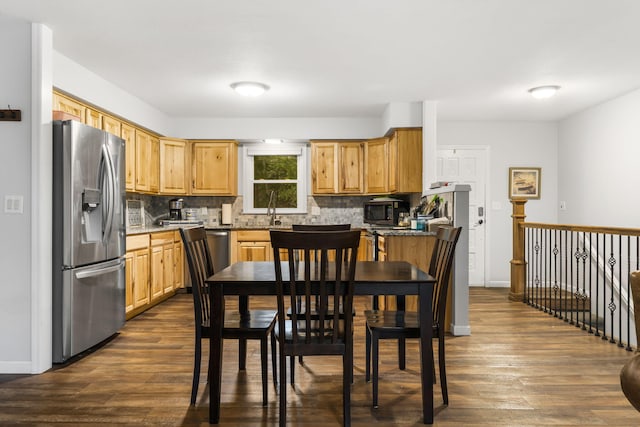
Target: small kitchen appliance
384	211
175	209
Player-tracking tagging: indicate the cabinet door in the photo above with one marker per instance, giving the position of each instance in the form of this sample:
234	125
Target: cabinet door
168	268
141	282
112	125
62	103
392	162
214	167
143	161
128	133
178	265
409	160
254	251
129	270
157	272
93	118
154	167
351	168
173	166
376	166
324	167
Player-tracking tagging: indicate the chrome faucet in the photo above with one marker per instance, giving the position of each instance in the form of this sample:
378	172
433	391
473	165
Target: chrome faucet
271	207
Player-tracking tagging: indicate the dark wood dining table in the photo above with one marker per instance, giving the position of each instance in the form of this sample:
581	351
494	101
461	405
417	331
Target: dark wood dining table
372	278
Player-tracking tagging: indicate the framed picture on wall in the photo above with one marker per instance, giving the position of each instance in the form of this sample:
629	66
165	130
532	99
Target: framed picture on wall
524	183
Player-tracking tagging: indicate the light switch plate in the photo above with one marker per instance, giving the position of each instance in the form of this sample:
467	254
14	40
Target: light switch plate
13	204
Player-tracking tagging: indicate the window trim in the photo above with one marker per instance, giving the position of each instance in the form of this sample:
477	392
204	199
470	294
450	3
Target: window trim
299	150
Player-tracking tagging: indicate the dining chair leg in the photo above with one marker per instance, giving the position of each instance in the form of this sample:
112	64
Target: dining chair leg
402	354
274	361
347	363
367	369
242	354
263	357
292	365
196	369
375	351
443	373
283	390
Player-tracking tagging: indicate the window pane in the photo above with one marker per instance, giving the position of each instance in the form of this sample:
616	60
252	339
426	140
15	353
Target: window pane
275	167
286	195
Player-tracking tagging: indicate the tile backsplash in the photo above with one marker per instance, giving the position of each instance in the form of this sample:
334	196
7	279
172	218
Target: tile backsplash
326	210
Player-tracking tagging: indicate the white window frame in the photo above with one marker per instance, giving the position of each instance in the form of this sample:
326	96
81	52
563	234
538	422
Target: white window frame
299	150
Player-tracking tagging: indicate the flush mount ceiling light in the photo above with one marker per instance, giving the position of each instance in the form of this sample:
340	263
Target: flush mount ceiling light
273	141
542	92
249	88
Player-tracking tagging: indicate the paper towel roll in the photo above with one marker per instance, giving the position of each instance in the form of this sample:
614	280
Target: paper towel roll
226	213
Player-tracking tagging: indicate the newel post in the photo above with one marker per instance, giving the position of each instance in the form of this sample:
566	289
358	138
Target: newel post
517	263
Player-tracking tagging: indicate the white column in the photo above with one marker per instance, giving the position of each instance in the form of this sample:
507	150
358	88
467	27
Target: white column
41	199
429	143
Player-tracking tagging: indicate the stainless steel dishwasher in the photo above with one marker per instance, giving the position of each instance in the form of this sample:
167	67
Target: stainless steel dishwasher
218	241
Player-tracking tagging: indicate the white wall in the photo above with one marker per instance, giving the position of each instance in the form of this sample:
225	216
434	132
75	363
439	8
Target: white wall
296	128
599	175
510	144
75	79
15	179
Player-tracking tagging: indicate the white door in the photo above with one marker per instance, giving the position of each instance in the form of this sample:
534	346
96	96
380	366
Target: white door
467	165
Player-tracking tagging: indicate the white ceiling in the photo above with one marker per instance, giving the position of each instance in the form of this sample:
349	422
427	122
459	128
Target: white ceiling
335	58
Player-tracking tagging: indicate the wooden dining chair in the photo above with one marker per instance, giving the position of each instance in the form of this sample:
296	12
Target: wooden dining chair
301	308
401	325
329	276
256	325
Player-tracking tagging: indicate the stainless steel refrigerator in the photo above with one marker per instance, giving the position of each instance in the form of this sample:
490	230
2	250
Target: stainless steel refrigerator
88	237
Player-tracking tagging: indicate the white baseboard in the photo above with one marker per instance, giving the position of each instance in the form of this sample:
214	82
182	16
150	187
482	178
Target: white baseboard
24	367
460	330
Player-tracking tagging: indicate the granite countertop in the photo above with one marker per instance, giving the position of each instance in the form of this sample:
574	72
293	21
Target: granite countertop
382	231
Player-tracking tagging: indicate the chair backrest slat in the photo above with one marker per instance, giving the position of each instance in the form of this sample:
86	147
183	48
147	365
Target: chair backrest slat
440	268
200	268
315	276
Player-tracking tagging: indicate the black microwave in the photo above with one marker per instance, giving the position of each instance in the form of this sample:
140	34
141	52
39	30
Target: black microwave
384	211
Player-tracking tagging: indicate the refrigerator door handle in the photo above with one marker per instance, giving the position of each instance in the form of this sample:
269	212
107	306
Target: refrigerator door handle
111	187
98	271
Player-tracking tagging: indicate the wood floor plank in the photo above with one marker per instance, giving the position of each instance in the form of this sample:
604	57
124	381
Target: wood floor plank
520	367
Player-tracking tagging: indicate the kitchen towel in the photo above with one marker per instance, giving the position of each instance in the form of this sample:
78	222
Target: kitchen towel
226	213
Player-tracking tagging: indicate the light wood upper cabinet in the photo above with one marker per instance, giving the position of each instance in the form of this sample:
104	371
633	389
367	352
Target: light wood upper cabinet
154	168
68	105
351	167
128	133
111	125
93	118
174	168
337	167
405	161
324	167
214	167
147	162
376	175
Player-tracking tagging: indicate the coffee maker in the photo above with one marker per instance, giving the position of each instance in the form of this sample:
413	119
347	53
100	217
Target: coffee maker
175	209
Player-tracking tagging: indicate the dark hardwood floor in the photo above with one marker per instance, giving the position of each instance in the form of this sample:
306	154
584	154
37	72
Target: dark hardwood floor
519	367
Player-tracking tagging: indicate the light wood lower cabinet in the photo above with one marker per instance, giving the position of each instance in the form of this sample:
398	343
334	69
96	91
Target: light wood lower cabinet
251	245
137	274
154	269
415	249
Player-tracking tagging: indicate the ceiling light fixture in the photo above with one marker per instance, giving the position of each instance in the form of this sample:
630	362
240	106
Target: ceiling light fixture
542	92
273	141
249	88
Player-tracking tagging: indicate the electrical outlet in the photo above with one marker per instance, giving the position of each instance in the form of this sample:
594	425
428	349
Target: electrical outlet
13	204
563	206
